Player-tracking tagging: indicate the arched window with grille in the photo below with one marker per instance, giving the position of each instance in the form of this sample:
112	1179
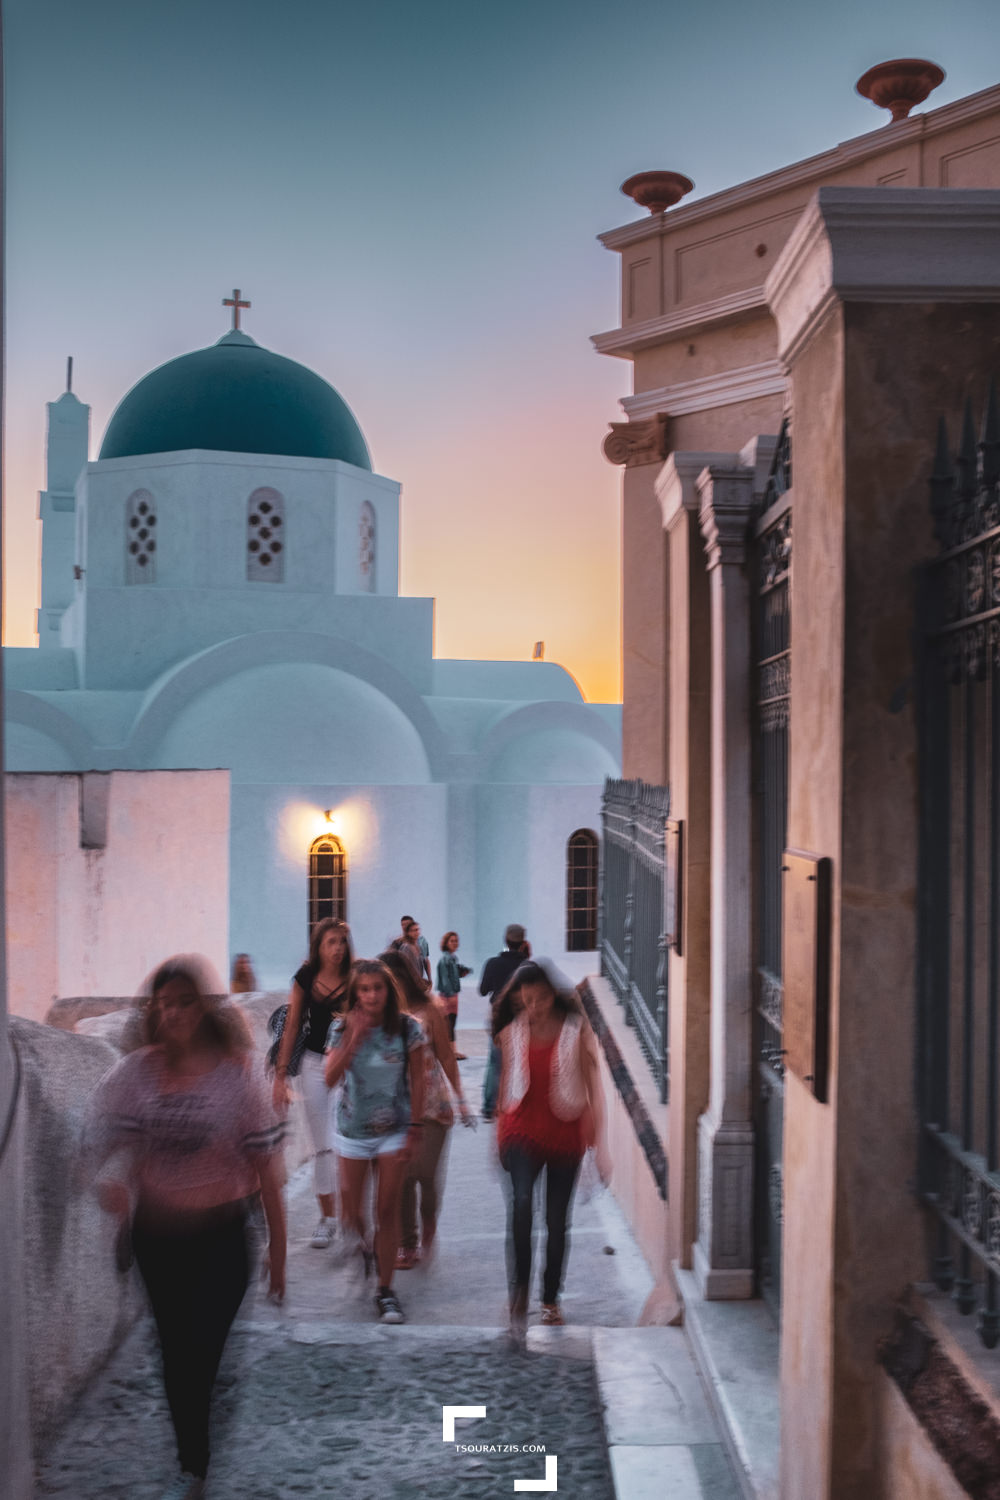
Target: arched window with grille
366	553
266	536
140	537
581	891
327	880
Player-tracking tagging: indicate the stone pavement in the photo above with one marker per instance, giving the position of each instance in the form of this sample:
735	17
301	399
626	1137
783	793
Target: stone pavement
318	1399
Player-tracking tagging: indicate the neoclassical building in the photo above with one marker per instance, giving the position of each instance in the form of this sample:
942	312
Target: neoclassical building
220	589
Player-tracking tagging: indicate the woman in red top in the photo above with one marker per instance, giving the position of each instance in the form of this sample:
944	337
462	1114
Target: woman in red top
550	1112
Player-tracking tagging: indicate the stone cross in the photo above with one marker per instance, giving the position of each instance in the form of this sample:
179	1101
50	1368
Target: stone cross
235	303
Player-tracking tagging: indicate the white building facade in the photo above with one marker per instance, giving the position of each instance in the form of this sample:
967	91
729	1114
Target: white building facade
220	590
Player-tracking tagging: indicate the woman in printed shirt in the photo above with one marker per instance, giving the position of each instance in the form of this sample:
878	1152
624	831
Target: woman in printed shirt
376	1050
184	1135
550	1112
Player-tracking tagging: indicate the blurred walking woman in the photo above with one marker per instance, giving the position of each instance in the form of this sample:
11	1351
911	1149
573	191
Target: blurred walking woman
425	1169
183	1129
377	1050
550	1111
319	992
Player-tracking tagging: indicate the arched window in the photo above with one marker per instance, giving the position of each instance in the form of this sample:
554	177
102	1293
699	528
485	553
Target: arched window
266	537
581	891
140	537
327	880
366	556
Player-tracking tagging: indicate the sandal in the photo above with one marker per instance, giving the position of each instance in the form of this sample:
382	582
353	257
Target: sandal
552	1315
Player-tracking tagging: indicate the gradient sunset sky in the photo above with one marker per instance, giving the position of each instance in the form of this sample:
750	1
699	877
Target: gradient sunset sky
409	195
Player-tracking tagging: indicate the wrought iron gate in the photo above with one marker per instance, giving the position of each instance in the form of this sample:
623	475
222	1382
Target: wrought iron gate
771	556
959	879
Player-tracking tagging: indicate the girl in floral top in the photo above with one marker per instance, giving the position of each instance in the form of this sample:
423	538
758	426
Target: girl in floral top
425	1170
376	1050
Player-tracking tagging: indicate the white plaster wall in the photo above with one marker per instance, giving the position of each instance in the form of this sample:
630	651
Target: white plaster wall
95	921
296	721
521	836
201	509
398	861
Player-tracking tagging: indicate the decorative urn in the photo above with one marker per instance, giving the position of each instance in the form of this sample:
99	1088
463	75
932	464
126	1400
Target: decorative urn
657	191
900	85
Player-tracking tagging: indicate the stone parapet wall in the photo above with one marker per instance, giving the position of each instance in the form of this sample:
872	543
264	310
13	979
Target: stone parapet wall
77	1306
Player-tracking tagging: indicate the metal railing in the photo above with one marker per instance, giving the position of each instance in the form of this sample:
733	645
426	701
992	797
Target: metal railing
959	874
631	913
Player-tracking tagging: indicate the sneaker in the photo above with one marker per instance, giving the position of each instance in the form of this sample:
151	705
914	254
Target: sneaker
185	1487
407	1258
389	1310
552	1315
322	1237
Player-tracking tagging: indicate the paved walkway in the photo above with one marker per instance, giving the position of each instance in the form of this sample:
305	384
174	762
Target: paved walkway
318	1399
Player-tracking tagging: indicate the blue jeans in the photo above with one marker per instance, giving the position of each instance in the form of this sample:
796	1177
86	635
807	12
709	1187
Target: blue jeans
491	1081
560	1179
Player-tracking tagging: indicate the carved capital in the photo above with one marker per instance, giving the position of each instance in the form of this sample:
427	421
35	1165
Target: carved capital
643	442
724	515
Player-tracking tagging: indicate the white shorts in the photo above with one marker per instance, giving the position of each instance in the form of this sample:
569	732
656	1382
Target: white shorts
370	1147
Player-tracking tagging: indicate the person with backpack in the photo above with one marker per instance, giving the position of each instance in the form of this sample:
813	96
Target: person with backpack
496	972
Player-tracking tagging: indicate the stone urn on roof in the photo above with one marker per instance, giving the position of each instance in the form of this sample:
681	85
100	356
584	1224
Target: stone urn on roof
900	85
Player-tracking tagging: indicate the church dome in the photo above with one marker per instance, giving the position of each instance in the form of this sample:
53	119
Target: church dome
235	397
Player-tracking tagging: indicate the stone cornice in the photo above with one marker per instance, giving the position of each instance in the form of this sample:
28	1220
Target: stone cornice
646	441
884	245
726	494
812	169
676	484
709	391
733	308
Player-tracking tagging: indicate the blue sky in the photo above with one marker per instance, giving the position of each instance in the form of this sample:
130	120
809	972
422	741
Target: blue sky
409	195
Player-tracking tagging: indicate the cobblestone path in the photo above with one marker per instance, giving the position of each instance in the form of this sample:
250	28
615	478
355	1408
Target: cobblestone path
357	1416
318	1399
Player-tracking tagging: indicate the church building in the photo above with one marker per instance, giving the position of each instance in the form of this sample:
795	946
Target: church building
220	590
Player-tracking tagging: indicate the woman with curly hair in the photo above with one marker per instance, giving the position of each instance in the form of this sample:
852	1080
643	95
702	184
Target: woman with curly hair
376	1051
182	1129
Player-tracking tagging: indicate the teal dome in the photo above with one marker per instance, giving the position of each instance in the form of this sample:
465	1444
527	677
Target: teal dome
235	397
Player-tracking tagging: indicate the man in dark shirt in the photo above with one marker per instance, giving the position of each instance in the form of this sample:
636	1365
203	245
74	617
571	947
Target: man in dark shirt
496	972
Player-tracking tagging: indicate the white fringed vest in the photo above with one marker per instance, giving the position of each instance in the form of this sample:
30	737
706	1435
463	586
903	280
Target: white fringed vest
567	1094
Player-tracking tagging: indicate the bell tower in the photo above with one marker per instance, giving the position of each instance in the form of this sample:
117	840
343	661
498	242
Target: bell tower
66	452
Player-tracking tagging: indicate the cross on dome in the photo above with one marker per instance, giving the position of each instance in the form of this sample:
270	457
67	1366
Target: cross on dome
235	303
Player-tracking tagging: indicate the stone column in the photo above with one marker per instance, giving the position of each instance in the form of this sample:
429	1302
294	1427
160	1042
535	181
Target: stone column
689	779
723	1255
641	447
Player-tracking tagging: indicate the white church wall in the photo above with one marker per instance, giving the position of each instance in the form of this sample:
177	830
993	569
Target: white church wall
397	853
164	627
95	921
200	500
521	837
296	721
354	489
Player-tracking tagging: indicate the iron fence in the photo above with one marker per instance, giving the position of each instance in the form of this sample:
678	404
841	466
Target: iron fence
959	876
633	942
